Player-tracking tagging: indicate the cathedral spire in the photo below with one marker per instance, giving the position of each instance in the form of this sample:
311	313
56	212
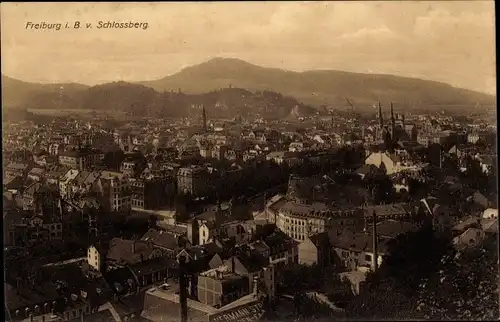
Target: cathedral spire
393	123
204	119
380	117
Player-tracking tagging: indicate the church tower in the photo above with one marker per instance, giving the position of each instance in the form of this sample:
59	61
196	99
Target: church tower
380	117
204	119
393	124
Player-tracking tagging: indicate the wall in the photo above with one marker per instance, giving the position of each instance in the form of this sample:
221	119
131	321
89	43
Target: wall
308	253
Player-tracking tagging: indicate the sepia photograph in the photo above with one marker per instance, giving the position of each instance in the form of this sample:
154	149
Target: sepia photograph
303	161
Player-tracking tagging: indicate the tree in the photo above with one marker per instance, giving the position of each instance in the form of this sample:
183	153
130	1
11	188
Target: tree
464	288
391	291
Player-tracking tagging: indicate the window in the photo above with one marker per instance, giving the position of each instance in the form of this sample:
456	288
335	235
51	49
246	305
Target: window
368	258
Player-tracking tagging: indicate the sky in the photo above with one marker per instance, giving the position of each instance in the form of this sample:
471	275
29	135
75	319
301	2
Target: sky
448	41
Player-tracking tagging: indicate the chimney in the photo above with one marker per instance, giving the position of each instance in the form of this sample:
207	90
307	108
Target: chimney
43	318
375	243
31	317
19	284
255	285
133	246
182	293
232	264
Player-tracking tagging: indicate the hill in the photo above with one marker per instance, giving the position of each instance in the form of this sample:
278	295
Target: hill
321	87
140	100
19	94
229	87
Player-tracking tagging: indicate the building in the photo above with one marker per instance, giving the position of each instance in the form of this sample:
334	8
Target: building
299	220
194	181
120	252
148	193
81	159
15	169
133	164
114	187
36	174
65	180
391	162
220	286
170	243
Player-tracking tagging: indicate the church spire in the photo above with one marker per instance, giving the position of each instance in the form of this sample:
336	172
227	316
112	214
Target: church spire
380	117
204	119
393	123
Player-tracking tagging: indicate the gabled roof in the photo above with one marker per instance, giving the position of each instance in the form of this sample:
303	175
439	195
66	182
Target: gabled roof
121	250
387	209
393	228
161	239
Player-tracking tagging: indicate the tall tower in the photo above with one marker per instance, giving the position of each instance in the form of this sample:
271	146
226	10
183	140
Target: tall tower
375	242
393	123
204	119
380	117
381	133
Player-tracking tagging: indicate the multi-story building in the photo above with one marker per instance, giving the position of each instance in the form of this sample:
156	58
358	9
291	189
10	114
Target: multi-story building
114	187
81	159
219	286
148	193
65	180
299	220
133	164
15	169
393	163
193	180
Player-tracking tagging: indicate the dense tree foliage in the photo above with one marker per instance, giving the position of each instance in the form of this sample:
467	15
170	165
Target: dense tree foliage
424	277
465	287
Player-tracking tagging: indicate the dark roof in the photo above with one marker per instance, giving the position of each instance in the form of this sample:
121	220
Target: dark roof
367	168
387	209
152	266
393	228
280	240
357	242
252	262
161	239
16	166
45	292
122	250
13	182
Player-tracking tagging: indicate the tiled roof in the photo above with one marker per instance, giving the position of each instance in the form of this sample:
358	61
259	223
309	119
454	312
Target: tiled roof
37	171
387	209
152	266
357	242
393	228
162	239
16	166
122	250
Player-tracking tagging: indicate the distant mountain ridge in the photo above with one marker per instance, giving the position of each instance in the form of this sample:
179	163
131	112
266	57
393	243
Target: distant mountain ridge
233	86
16	93
319	87
140	100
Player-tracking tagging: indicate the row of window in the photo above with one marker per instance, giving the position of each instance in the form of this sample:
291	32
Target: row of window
137	203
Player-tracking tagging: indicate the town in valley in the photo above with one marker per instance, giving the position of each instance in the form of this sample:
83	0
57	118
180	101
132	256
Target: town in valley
234	192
